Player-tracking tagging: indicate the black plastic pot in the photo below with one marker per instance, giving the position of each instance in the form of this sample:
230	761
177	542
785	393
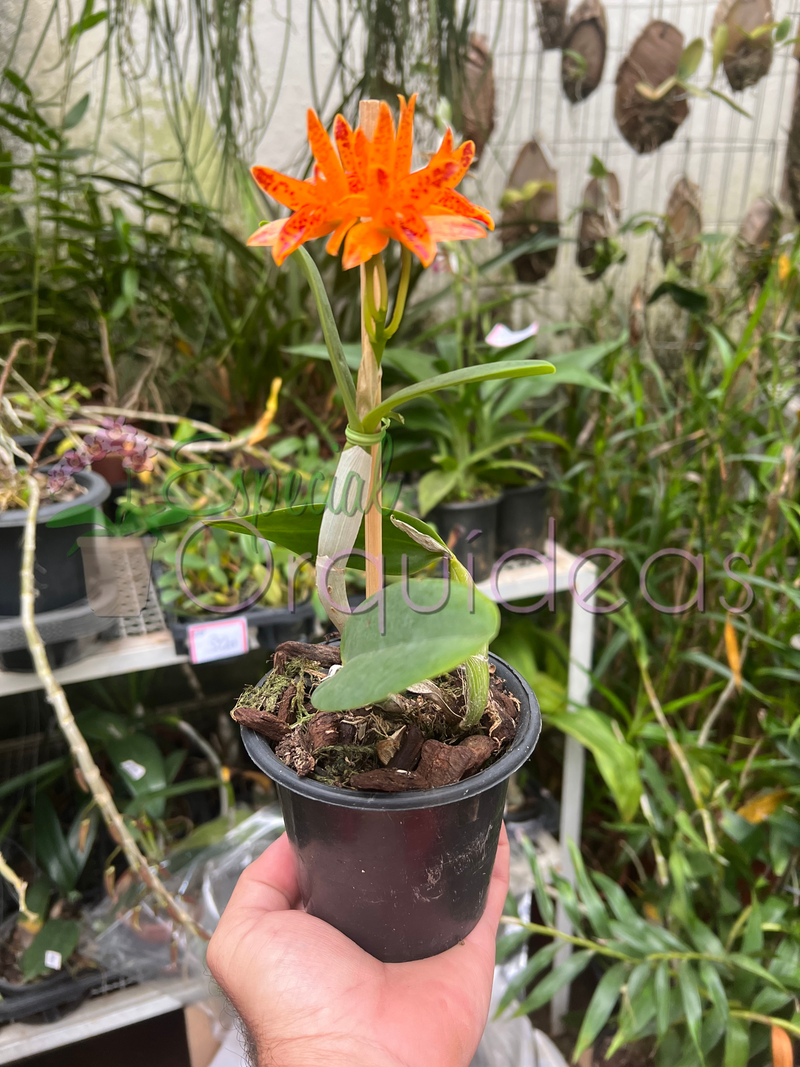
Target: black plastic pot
273	625
463	519
59	575
404	875
49	999
30	441
522	518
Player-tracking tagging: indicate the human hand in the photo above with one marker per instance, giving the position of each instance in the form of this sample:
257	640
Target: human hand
309	995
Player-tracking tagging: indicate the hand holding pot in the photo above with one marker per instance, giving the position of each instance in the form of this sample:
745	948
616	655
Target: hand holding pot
308	994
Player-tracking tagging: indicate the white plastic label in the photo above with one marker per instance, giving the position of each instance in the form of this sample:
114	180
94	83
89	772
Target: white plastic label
133	769
52	959
217	640
501	337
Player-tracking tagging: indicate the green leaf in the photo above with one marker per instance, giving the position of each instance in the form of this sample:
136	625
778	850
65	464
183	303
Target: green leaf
140	764
35	774
783	29
85	825
543	900
690	996
414	646
747	964
617	761
560	976
600	1007
534	967
341	371
690	58
19	83
52	849
76	113
590	898
691	300
719	46
737	1044
434	486
730	103
482	372
615	895
179	789
597	168
662	992
57	935
298	530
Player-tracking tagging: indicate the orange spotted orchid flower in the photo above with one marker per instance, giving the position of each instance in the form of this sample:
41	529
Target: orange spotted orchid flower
367	194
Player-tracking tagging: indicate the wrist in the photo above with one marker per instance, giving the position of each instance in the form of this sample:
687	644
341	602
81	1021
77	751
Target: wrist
334	1050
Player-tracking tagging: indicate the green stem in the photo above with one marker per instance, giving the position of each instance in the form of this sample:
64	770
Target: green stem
767	1020
402	293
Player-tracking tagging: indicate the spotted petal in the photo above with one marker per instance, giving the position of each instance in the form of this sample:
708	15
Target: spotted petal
288	191
325	155
266	235
362	243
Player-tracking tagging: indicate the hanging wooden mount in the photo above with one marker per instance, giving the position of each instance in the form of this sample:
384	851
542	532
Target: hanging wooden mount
653	58
684	225
530	208
550	17
602	210
477	98
757	237
746	59
584	50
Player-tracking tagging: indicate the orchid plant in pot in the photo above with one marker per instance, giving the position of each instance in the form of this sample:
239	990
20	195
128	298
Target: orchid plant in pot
391	752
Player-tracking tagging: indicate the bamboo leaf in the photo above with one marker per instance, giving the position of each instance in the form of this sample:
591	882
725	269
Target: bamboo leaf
590	898
564	973
76	113
600	1007
662	991
737	1044
690	995
690	58
534	967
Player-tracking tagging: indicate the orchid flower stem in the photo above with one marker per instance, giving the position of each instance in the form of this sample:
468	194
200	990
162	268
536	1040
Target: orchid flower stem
384	289
402	294
370	311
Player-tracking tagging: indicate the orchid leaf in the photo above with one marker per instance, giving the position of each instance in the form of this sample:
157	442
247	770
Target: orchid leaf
420	640
298	530
453	379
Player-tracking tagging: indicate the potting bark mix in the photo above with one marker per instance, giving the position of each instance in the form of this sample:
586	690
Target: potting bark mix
408	741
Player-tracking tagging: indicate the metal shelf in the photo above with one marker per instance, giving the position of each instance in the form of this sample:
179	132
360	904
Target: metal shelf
120	656
101	1014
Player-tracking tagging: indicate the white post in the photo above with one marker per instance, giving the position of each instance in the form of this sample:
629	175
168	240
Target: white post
581	642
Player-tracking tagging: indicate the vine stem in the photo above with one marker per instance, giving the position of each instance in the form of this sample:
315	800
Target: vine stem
20	887
75	739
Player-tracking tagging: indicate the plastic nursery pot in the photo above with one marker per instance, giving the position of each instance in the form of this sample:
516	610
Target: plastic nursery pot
58	571
464	519
404	875
522	518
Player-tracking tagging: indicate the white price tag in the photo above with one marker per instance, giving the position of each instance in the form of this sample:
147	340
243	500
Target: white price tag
133	769
220	639
52	959
501	337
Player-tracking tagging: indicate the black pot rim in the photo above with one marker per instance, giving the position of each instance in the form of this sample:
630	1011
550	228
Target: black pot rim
260	751
530	487
464	505
97	490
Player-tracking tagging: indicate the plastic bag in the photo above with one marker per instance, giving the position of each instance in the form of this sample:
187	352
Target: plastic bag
138	940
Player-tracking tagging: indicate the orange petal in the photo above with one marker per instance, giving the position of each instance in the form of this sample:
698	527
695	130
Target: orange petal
266	235
361	149
454	202
345	142
445	149
338	235
413	231
287	191
463	158
382	147
424	186
452	228
325	155
404	144
297	229
362	243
